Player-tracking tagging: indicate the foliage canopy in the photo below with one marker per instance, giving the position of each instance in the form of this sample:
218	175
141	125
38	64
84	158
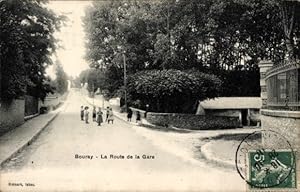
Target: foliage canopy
26	42
225	38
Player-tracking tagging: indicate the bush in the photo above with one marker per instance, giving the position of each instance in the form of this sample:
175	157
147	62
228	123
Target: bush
172	90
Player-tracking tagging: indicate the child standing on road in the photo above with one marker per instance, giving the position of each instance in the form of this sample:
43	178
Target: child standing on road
129	115
138	117
86	114
94	114
110	116
107	113
99	117
81	113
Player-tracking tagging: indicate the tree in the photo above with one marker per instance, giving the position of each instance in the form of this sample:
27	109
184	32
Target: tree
224	38
290	15
26	43
61	81
97	78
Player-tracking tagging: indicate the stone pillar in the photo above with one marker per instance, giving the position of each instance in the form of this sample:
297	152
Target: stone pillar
264	65
281	121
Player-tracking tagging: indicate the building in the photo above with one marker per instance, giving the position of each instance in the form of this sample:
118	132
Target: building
247	109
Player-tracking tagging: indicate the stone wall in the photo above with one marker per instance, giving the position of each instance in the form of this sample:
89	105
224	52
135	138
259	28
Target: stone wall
31	105
191	121
286	123
52	102
11	115
135	110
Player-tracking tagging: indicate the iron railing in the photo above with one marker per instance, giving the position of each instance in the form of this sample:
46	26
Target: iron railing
283	87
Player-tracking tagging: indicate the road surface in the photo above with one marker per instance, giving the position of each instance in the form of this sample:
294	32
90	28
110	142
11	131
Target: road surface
108	160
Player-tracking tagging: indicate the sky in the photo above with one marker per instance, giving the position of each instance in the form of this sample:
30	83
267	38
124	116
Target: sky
71	37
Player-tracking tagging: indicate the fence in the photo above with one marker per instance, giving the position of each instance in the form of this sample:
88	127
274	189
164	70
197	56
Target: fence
283	87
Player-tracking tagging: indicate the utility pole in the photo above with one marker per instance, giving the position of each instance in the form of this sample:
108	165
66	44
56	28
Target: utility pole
93	93
125	81
102	93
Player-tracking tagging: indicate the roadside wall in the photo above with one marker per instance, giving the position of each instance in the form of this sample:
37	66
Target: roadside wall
31	105
11	115
142	112
286	123
52	102
191	121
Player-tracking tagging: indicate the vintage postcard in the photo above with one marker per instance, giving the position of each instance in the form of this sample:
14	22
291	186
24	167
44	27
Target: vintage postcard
150	95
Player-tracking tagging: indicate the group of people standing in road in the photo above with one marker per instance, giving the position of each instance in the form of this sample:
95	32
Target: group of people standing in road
129	116
96	115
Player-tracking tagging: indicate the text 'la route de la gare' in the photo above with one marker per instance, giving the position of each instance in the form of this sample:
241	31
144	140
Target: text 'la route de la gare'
113	156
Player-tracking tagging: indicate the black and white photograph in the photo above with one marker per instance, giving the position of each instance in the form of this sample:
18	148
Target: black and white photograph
150	95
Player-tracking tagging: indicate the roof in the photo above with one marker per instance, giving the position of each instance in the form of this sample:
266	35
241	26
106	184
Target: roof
232	103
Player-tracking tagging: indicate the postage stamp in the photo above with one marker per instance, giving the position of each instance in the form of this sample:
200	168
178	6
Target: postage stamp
265	165
271	169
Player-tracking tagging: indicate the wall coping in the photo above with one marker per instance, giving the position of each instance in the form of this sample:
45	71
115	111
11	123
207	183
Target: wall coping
173	114
136	109
265	63
278	113
26	118
282	68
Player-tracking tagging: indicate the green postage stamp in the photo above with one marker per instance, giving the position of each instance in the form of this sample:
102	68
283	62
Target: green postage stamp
272	169
267	164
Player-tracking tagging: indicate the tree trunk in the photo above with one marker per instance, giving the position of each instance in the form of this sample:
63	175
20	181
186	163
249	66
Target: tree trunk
288	14
290	48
